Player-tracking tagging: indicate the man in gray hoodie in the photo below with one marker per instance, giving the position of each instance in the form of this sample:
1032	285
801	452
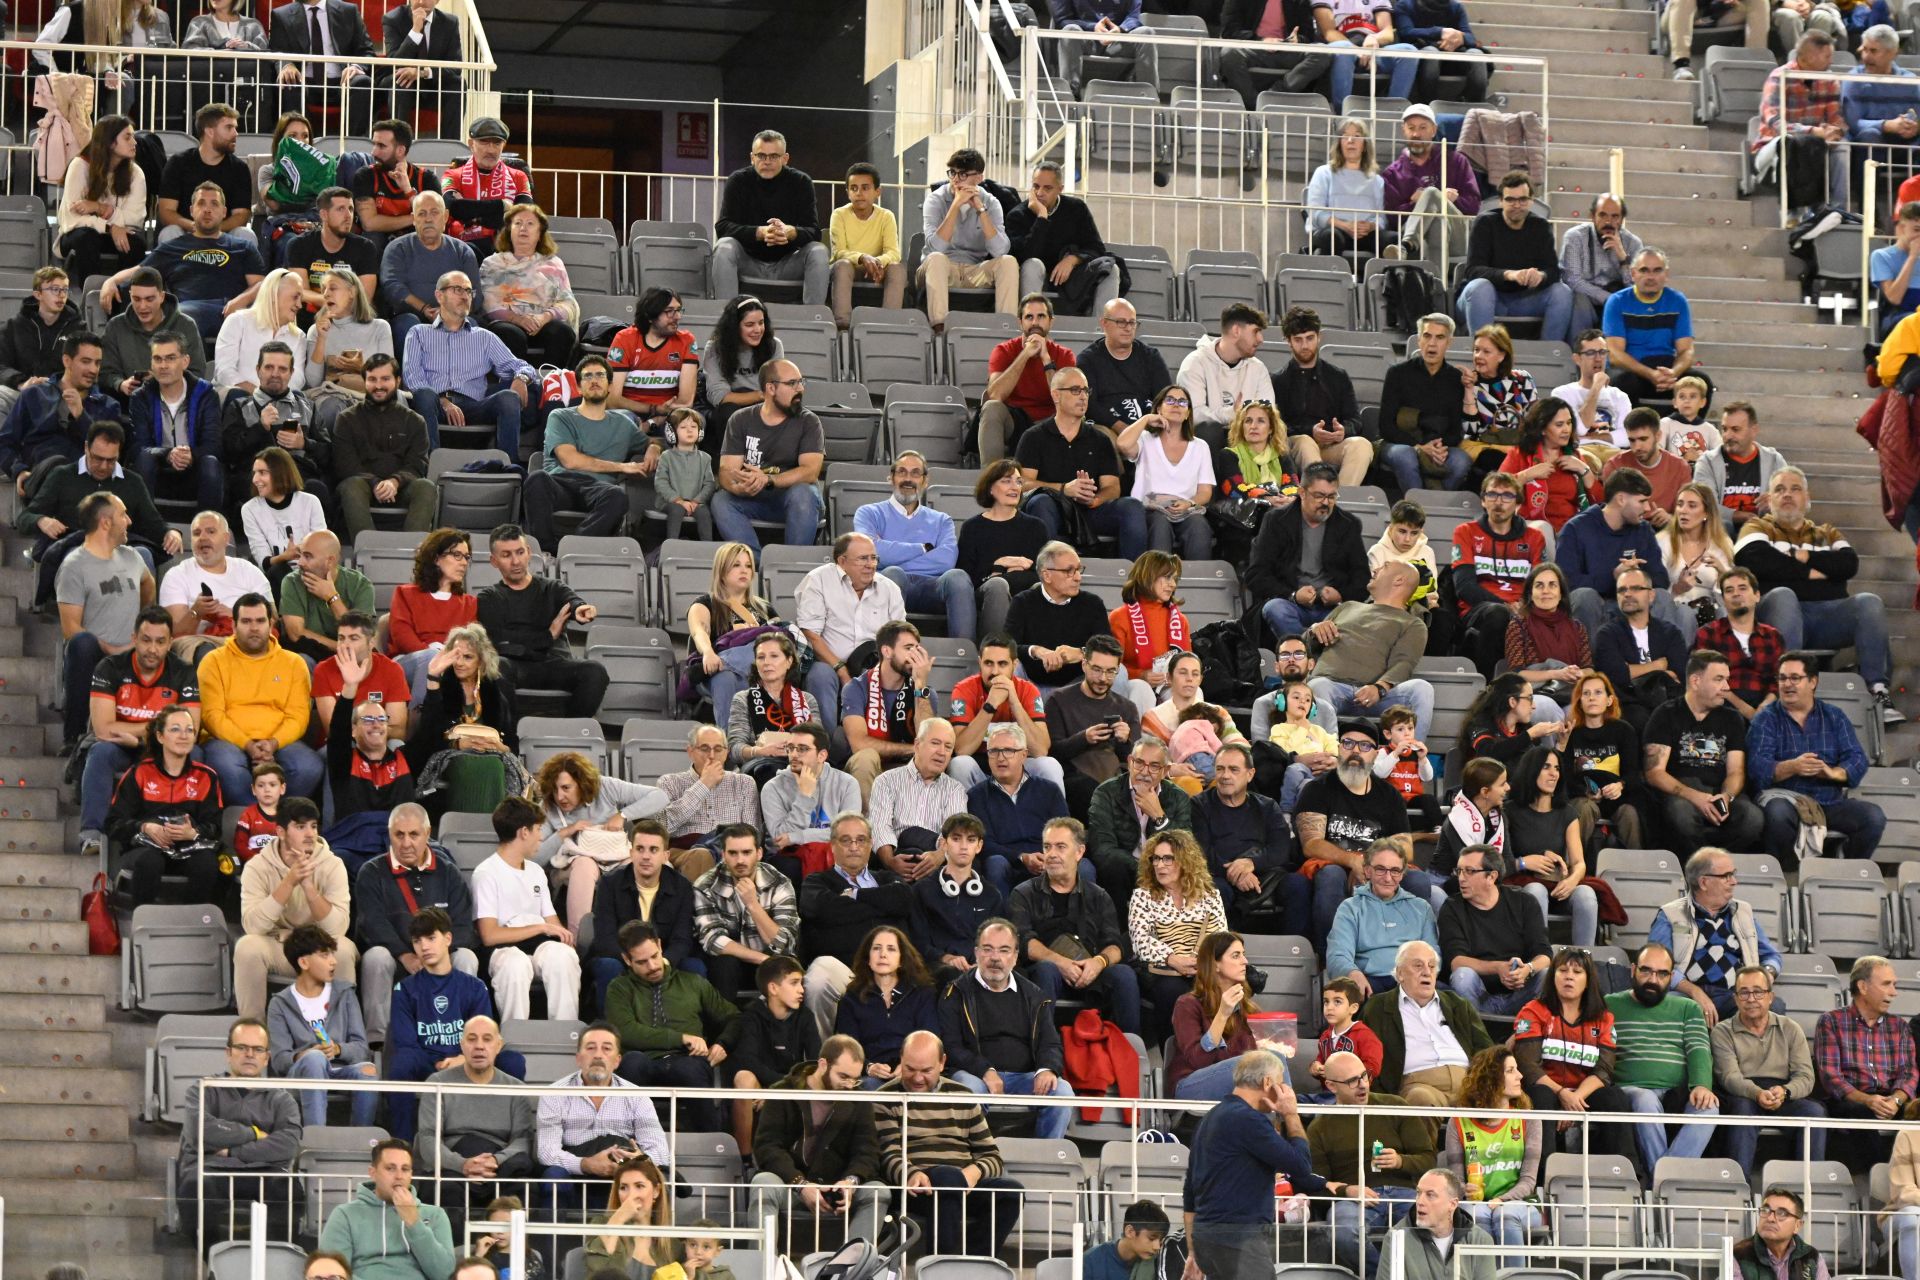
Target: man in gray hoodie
384	1232
250	1134
127	339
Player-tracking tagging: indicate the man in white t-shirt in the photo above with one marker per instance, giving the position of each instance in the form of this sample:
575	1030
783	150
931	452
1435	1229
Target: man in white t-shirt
513	913
199	593
1599	407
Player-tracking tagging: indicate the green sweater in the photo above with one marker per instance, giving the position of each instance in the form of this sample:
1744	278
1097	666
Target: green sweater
368	1232
1333	1141
1662	1047
689	1006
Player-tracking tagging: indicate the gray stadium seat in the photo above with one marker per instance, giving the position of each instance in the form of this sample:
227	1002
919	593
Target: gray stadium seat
468	837
1328	291
546	1044
233	1260
1156	292
957	1266
1595	1200
933	420
854	487
186	1047
684	572
1451	698
1293	976
178	959
333	1162
607	573
1130	1171
1112	1122
1127	124
1055	1180
1644	880
474	501
707	1166
668	255
1215	278
543	737
1209	127
954	659
1845	909
1832	1209
1211	589
1809	985
891	346
641	671
649	748
386	558
782	567
1705	1200
969	339
592	259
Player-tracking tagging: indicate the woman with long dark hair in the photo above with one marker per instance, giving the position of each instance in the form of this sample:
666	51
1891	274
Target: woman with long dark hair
291	124
1544	848
1500	722
103	205
742	341
1556	482
890	996
998	546
280	515
166	813
1546	643
1564	1043
1210	1029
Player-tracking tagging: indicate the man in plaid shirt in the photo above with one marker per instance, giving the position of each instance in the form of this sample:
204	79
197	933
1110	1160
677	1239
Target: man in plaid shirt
1863	1057
1752	647
1803	745
744	912
1814	114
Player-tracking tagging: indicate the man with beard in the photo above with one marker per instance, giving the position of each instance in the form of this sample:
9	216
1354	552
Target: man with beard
255	699
380	455
321	592
175	425
273	413
1019	371
881	712
216	126
1416	187
587	452
333	245
1664	471
211	272
388	892
745	912
527	617
127	339
482	1136
452	366
1665	1060
1341	814
1316	401
656	368
1000	1033
997	694
1696	749
672	1023
1095	727
918	547
383	191
1293	664
770	463
815	1159
653	890
128	691
1752	647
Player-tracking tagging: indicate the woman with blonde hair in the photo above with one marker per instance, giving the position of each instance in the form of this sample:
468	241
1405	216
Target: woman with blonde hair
129	24
1697	551
103	205
467	713
525	294
584	834
638	1198
1173	476
723	623
1174	907
1497	1161
274	316
1254	481
345	333
1345	195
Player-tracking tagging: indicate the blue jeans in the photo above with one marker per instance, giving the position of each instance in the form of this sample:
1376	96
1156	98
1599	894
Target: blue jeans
1903	1237
303	764
1296	777
207	314
83	655
1415	695
1119	985
1399	72
1209	1084
1049	1122
1860	621
106	761
1285	618
797	504
1330	889
951	593
736	668
1123	520
313	1102
1489	996
1510	1223
1381	1215
1651	1138
1583	910
501	408
1481	300
1404	462
1740	1139
1862	822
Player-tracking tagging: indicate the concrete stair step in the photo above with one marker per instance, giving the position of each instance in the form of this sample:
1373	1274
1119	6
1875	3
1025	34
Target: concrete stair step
66	1160
1589	17
1812	336
1634	112
1566	152
27	869
27	740
1703	291
1736	361
69	975
62	1049
1587	183
1589	83
20	707
83	1197
34	1123
36	938
46	905
29	803
1794	313
1647	137
52	1013
1654	214
1551	40
31	771
94	1238
99	1087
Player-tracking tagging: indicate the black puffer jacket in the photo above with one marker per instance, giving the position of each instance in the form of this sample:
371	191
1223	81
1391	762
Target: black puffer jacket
30	349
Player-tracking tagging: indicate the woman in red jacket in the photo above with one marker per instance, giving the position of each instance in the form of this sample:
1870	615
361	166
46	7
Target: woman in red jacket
1149	624
430	606
1556	482
166	814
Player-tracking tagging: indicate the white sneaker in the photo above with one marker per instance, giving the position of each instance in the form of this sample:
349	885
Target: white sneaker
1684	73
91	842
1390	251
1889	714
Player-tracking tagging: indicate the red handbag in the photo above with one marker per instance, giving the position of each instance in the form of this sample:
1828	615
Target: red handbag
103	932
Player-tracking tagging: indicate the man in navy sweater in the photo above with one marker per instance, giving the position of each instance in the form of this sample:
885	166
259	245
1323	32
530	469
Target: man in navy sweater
1599	544
388	893
430	1010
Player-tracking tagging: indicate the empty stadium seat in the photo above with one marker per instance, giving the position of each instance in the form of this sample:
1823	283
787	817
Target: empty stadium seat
177	959
1809	986
854	487
607	574
542	737
386	558
1054	1179
186	1047
642	671
934	420
707	1166
547	1044
684	573
1644	880
968	341
1593	1201
954	659
1706	1200
1844	908
1213	279
468	837
1155	294
1211	590
332	1163
669	255
649	748
475	501
891	346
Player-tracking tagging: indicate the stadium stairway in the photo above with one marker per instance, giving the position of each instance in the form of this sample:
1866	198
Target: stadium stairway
1756	335
82	1179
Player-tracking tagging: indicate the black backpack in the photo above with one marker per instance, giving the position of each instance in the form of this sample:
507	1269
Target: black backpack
1230	662
1172	1261
1408	292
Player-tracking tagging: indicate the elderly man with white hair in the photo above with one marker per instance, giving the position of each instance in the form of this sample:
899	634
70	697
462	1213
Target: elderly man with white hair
412	264
464	374
1427	1034
387	892
1881	116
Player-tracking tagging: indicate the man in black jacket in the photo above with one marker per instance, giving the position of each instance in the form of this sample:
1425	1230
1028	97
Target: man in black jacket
1123	373
1276	23
380	455
174	420
840	906
1060	249
526	616
1512	267
340	33
1070	934
999	1034
1420	412
275	413
819	1166
418	29
30	341
769	225
617	899
1297	594
386	894
1316	401
1245	836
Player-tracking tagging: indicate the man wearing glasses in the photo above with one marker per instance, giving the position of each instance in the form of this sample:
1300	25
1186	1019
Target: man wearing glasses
1776	1246
1802	745
770	463
967	243
1492	557
1494	942
30	341
1633	644
1052	621
1123	373
1512	269
1072	474
769	225
1762	1066
250	1134
1599	407
452	365
1714	934
1649	331
656	368
588	457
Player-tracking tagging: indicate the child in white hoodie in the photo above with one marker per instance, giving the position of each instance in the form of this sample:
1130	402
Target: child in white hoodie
1406	541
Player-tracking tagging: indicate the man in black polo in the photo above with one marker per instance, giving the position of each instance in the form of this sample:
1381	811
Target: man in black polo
527	617
1072	473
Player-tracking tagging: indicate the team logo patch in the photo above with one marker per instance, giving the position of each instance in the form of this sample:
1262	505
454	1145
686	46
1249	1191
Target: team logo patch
441	1004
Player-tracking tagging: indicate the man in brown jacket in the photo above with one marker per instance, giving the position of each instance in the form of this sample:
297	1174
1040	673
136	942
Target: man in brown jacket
810	1166
1398	1149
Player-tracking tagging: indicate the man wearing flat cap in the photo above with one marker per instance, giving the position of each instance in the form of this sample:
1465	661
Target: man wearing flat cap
484	176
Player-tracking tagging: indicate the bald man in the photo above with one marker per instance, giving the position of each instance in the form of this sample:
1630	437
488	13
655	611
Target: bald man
481	1136
318	595
1365	651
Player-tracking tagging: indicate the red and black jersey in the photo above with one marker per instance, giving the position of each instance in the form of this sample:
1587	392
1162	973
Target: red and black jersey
1488	567
1569	1052
148	793
139	701
254	830
359	783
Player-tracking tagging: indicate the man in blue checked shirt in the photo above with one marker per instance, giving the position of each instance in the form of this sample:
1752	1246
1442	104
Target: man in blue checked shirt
919	548
451	367
1800	744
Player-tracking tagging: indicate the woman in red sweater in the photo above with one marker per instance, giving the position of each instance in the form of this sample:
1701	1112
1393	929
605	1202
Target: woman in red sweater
1556	482
1149	625
430	606
1210	1029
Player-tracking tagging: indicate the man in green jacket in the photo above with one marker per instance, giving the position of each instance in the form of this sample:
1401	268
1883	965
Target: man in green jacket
1664	1061
384	1232
670	1022
1125	811
1430	1074
1397	1150
1776	1249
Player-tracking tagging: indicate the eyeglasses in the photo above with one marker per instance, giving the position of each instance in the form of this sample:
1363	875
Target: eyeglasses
788	382
1348	1083
1464	872
1072	571
457	288
1661	974
1729	876
673	310
456	555
1122	324
1784	678
254	1050
1751	993
1394	872
1005	751
1590	353
1775	1211
373	719
1358	744
1163	859
769	155
1516	199
1073	391
55	290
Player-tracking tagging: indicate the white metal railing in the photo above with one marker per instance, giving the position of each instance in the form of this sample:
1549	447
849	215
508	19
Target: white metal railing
1854	76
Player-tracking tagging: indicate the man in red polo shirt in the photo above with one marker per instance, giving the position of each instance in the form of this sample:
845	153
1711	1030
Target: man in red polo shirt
1018	371
999	691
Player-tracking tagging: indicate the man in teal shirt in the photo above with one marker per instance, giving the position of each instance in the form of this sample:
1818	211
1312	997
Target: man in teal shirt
587	461
1133	1254
1664	1061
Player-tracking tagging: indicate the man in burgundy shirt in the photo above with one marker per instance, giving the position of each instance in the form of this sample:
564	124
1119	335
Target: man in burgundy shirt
1752	647
1664	471
1018	371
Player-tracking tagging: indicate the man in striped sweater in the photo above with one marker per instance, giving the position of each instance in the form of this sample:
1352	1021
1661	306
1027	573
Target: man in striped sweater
948	1154
1665	1061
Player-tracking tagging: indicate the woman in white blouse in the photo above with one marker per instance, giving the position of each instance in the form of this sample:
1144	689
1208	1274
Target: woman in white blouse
280	515
271	318
1173	475
103	204
1174	908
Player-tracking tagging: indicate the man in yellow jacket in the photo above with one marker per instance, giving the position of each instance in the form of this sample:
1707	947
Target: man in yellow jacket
255	700
295	879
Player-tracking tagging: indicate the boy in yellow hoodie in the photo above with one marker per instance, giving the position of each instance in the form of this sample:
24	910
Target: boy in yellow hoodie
255	700
295	879
1406	541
